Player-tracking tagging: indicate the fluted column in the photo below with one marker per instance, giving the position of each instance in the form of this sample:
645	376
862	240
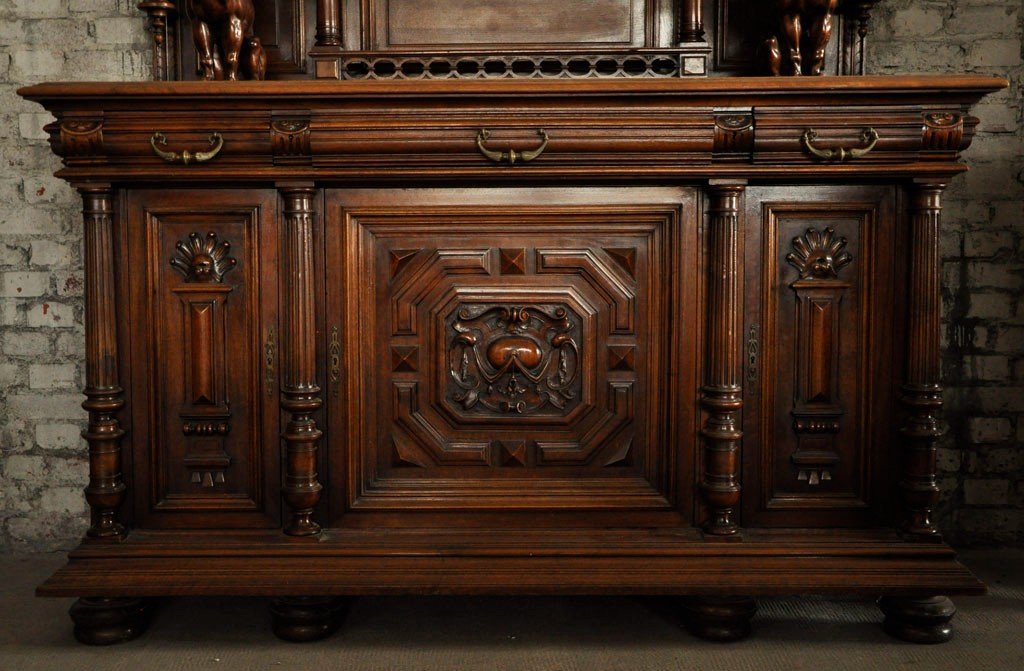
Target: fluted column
922	393
104	396
300	395
328	23
691	21
722	397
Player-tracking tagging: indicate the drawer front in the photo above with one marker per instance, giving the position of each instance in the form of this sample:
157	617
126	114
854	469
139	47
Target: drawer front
506	350
821	361
203	344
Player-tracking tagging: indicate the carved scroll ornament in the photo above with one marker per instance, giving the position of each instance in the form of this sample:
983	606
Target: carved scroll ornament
514	359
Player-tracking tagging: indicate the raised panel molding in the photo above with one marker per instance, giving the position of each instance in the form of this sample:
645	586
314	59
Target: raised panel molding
201	391
518	373
815	400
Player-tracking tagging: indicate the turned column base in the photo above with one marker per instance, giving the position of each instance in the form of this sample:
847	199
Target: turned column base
722	619
301	619
921	620
101	621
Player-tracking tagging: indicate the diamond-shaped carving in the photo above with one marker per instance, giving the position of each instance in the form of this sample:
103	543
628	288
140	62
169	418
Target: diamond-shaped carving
400	258
625	258
513	261
622	357
622	454
405	359
511	453
407	453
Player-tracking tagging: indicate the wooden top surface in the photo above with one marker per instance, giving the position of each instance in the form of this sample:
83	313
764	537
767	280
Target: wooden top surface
747	87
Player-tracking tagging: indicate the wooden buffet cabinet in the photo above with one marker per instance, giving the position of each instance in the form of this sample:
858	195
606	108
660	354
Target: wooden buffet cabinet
646	335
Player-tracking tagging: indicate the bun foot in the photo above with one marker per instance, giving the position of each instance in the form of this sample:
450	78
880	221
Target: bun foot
721	619
301	619
101	621
924	620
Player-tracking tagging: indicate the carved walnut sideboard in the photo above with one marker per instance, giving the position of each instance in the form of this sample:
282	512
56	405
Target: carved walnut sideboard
646	335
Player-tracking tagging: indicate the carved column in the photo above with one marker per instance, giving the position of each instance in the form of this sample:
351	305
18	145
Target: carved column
722	392
300	395
922	393
162	15
328	23
104	396
691	21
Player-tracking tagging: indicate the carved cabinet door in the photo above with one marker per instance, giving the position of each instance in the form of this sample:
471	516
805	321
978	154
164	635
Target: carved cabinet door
823	336
509	352
201	269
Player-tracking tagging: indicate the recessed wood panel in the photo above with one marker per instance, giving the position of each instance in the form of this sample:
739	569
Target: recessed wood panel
454	24
814	394
507	356
200	327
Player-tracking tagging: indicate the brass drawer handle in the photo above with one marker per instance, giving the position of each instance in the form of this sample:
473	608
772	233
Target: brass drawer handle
186	157
840	154
511	156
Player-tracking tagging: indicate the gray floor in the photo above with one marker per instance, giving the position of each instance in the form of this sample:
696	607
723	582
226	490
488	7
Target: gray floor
531	634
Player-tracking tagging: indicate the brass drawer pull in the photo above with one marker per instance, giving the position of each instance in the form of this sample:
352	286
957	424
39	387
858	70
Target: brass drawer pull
511	156
186	157
840	154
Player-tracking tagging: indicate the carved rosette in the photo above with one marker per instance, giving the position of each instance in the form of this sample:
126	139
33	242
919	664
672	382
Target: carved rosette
203	260
520	360
818	256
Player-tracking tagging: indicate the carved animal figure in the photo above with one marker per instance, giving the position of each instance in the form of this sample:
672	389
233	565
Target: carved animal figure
805	30
222	30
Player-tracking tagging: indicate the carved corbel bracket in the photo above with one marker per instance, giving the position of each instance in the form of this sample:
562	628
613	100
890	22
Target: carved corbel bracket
290	139
78	137
944	131
734	134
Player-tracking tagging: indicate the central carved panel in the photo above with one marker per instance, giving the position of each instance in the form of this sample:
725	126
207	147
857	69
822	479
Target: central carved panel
518	360
507	356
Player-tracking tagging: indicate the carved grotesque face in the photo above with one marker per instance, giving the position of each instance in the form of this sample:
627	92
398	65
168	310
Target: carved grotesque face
203	267
821	264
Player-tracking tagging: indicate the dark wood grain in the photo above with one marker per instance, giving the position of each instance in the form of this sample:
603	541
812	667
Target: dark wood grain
662	357
104	394
922	390
300	392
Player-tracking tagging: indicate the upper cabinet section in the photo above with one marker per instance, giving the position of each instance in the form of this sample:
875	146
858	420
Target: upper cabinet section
507	39
500	131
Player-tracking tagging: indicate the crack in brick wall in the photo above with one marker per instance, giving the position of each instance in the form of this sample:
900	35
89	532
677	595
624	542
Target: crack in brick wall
42	456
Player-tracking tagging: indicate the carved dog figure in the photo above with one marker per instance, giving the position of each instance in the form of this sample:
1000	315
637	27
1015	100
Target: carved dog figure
238	50
806	28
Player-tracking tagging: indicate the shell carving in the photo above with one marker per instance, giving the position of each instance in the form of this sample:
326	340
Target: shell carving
819	255
203	260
